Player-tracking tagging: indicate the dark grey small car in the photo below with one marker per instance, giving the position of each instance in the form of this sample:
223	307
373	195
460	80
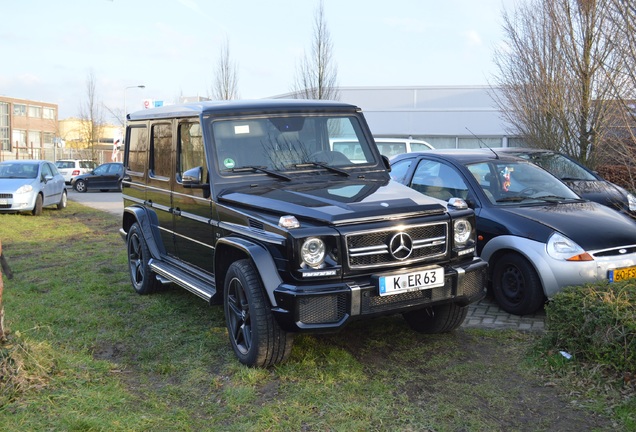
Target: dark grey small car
579	178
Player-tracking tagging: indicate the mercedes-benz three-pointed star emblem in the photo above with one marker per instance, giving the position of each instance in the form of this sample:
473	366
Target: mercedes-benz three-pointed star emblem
401	246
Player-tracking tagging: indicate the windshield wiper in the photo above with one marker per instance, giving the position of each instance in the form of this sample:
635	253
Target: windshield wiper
516	198
263	170
322	165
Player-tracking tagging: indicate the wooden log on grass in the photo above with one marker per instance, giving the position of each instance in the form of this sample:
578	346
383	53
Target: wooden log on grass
4	267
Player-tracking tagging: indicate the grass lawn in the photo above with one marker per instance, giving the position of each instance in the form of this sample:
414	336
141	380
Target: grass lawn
85	353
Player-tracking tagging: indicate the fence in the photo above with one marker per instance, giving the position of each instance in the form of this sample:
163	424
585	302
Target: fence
100	154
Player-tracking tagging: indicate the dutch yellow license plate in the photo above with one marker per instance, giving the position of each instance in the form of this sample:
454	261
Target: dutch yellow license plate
621	274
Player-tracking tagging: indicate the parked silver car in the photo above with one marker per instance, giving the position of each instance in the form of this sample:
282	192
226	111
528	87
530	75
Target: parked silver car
30	185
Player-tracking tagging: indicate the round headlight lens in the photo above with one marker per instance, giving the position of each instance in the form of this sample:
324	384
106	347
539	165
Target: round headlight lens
313	251
462	230
24	189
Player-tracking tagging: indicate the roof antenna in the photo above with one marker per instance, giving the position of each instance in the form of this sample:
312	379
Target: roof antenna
480	140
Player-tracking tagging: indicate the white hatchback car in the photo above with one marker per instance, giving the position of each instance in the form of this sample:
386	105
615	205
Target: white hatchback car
71	168
390	147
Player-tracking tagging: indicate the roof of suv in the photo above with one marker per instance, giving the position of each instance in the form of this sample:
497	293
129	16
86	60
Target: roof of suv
242	107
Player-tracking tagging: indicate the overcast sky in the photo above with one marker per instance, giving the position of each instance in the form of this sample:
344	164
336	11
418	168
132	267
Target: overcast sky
49	48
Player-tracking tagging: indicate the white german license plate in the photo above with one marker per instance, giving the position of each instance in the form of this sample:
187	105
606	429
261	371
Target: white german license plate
430	278
621	274
4	201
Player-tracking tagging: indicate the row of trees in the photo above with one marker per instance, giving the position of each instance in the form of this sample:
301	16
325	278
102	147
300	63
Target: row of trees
565	79
316	77
566	76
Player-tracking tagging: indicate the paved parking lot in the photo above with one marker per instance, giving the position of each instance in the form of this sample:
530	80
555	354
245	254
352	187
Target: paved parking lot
484	314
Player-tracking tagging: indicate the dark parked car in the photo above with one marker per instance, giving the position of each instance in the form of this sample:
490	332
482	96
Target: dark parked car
579	178
537	235
105	177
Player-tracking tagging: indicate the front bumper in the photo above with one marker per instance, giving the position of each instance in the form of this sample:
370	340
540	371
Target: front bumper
329	307
17	202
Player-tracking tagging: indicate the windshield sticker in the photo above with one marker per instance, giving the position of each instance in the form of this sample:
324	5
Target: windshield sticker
242	129
506	178
228	163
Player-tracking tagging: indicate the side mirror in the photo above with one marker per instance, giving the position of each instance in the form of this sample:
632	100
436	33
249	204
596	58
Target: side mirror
387	164
193	179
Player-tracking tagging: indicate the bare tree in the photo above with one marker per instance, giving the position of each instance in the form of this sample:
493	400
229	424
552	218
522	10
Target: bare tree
558	74
91	118
225	85
317	75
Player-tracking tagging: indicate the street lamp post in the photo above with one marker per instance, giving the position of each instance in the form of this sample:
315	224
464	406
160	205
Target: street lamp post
125	90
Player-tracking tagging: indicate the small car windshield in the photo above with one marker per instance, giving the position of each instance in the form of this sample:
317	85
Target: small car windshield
559	165
290	143
506	183
18	170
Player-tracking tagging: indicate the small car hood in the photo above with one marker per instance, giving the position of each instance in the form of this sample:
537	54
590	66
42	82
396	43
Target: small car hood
335	202
12	185
591	225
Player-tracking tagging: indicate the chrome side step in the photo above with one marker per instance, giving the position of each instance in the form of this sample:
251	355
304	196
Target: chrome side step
203	287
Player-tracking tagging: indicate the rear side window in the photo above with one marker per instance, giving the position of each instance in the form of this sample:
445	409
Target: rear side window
136	150
161	150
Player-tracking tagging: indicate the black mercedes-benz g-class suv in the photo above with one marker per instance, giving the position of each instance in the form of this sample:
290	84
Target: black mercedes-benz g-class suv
284	211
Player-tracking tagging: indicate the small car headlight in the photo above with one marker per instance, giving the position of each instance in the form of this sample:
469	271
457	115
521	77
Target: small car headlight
313	251
462	229
562	248
631	202
24	189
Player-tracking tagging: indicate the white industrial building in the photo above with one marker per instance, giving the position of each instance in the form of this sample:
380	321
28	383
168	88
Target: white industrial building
444	116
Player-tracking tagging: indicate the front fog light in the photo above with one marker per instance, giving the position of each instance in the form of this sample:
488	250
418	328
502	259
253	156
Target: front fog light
462	230
313	251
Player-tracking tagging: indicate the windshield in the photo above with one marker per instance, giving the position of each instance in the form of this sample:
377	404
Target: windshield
559	165
506	183
18	170
288	143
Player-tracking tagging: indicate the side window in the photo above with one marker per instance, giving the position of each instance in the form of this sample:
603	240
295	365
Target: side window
400	169
439	180
136	150
190	153
161	150
46	170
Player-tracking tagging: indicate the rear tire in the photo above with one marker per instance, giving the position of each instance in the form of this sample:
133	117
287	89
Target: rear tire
144	280
63	201
516	285
256	338
436	319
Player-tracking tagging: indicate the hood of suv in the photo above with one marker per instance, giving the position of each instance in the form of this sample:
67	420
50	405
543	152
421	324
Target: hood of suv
335	202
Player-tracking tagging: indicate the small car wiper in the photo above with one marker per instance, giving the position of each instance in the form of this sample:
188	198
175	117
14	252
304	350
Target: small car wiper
515	198
322	165
263	170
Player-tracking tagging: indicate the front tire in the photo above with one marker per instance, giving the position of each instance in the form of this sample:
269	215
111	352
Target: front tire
144	280
436	319
256	338
63	201
37	209
80	186
516	285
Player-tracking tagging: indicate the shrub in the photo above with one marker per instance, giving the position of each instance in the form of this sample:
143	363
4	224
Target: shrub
596	323
618	174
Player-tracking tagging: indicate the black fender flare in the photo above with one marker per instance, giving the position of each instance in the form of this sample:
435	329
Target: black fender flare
259	255
149	223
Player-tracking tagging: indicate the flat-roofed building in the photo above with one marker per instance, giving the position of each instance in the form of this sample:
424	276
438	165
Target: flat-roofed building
28	128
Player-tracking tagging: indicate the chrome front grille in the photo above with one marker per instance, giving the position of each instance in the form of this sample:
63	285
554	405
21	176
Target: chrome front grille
381	248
